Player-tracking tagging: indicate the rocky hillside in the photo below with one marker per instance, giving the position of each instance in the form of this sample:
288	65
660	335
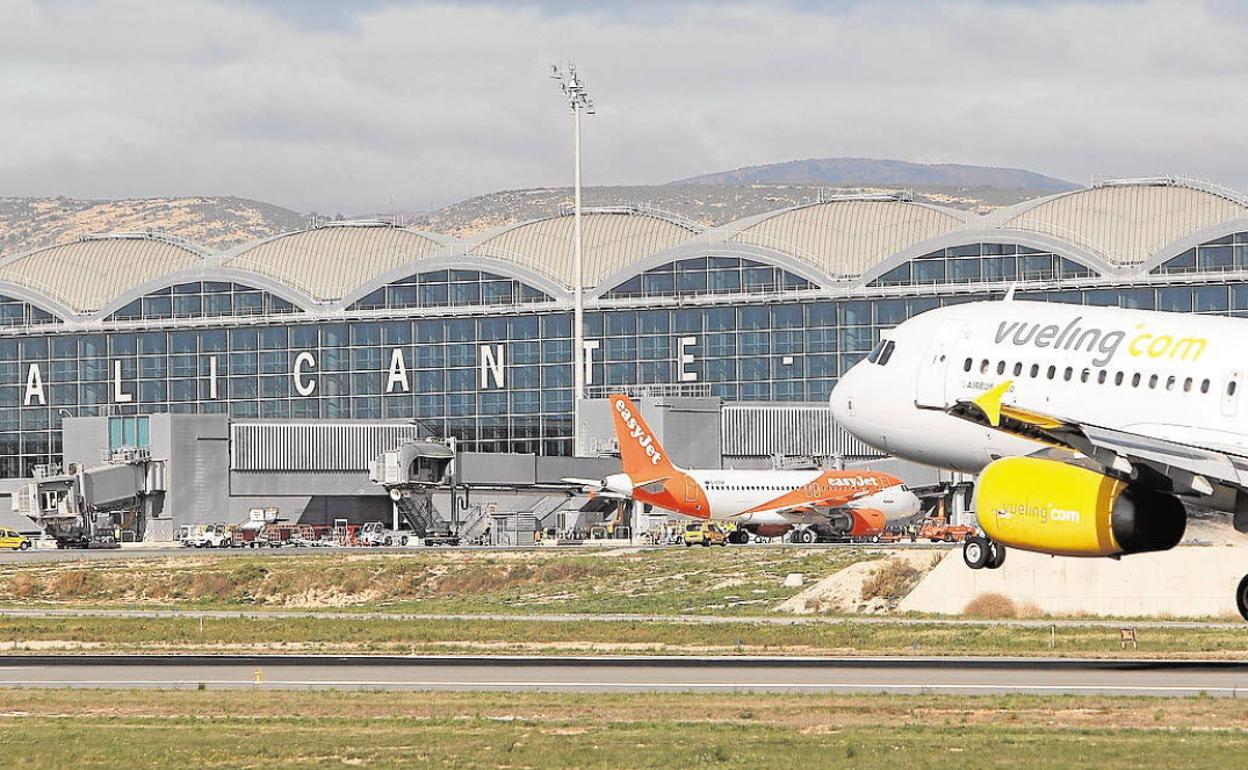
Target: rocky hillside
214	221
706	204
219	222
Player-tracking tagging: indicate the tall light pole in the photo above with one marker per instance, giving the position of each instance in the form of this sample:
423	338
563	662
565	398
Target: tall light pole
578	101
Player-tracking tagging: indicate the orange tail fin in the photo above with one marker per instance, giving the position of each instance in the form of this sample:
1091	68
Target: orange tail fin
642	455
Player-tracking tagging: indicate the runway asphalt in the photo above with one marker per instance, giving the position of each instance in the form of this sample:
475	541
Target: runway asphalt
970	676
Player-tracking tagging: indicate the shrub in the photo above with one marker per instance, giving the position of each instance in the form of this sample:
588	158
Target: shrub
891	581
991	606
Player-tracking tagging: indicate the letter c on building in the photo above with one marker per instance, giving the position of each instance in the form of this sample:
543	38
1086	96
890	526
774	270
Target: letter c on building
304	387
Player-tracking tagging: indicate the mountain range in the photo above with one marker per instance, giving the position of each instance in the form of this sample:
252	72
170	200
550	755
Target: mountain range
219	222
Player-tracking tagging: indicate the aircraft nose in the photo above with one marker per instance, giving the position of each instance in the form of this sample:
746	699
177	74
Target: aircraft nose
842	399
909	503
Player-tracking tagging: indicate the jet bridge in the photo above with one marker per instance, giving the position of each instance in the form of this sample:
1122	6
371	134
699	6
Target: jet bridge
409	475
95	507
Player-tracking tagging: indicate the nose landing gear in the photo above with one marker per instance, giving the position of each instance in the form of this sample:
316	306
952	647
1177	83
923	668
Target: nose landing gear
980	552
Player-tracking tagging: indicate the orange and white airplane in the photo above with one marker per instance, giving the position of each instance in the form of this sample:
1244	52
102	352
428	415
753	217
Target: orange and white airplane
766	503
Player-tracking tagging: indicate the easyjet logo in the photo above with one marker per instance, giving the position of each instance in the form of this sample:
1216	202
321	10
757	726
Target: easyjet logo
639	434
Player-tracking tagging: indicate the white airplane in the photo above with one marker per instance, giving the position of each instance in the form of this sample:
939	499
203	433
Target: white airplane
765	503
1089	427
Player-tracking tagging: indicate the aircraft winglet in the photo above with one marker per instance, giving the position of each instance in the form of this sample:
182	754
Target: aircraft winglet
989	402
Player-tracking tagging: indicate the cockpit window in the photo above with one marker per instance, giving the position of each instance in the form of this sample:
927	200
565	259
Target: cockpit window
886	353
874	355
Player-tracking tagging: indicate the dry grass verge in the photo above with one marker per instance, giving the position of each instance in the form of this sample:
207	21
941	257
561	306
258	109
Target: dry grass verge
46	729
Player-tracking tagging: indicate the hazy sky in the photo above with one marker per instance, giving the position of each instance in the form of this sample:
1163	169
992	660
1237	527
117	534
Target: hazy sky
353	107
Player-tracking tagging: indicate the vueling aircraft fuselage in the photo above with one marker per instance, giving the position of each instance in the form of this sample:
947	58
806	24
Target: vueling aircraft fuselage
1171	376
1090	429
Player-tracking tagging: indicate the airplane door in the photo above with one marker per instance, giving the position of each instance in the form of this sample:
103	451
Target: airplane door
934	373
691	490
1230	395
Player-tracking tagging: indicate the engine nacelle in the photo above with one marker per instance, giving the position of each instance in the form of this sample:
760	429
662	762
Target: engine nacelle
1056	508
769	530
619	483
868	522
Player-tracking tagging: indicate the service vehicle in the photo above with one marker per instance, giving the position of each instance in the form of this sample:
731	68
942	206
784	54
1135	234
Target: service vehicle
11	538
939	530
211	536
374	533
704	533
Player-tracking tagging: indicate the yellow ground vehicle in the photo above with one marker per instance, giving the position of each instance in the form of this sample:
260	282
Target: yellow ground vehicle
705	533
12	539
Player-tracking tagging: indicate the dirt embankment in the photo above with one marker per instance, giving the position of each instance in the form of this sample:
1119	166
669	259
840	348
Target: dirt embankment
873	587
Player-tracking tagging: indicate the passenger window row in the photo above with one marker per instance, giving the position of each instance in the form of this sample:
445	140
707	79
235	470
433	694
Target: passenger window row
1101	376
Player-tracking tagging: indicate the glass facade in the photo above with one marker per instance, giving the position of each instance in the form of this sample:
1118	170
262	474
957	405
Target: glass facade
14	312
203	299
708	275
983	262
500	379
1227	253
451	288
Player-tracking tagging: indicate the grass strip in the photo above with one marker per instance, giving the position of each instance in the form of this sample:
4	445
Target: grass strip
136	729
329	634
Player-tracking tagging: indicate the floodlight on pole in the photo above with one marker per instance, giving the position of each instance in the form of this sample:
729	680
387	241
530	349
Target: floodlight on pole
578	101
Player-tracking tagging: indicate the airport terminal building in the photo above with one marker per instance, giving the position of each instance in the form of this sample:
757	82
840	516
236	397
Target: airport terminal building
365	321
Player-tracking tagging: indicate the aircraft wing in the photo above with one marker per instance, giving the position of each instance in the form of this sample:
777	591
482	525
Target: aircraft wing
787	506
1183	469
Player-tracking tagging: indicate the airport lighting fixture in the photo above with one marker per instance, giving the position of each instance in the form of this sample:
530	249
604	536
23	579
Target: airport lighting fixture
578	101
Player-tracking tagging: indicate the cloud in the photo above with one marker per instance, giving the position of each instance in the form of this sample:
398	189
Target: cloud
419	104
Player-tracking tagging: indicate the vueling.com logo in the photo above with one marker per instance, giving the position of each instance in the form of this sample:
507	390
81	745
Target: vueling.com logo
639	434
1103	344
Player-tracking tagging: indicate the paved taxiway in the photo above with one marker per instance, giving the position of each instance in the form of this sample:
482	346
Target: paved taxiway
979	676
43	555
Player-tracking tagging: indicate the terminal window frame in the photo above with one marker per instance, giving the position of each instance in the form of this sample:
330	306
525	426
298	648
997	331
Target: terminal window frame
709	275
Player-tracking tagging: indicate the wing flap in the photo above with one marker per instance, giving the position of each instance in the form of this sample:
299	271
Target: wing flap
1190	469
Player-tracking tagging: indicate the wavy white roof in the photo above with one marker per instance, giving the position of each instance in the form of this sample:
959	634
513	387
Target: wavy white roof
845	238
1127	224
1115	227
86	274
327	262
611	241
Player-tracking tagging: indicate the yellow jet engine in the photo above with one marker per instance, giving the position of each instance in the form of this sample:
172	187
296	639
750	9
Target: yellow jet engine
1052	507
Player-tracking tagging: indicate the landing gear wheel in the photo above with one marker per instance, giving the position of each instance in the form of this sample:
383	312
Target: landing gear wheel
806	536
976	552
403	540
996	555
1241	597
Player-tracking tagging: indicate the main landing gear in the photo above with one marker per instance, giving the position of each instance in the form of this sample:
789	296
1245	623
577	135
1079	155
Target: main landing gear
980	552
1241	597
